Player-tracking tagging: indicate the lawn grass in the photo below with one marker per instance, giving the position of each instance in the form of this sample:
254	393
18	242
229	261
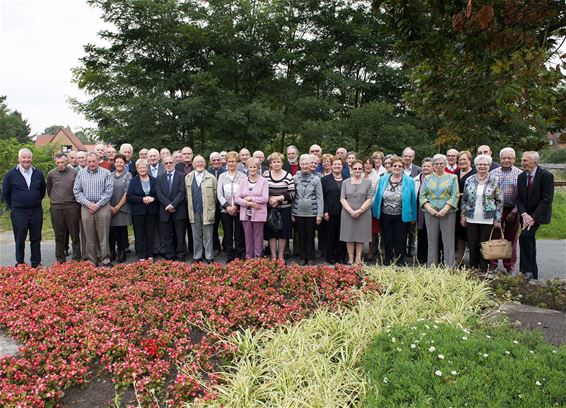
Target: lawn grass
557	228
439	365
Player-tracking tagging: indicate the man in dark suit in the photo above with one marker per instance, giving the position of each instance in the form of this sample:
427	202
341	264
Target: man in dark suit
535	192
155	169
23	189
411	170
216	169
172	211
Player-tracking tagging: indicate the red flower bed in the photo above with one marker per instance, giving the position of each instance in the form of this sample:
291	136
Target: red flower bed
154	326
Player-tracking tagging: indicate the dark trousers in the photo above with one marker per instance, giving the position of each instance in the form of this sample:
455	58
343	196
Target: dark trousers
511	234
335	249
233	241
24	220
477	233
173	238
422	246
118	239
189	231
66	221
144	226
411	239
306	227
215	237
394	233
528	256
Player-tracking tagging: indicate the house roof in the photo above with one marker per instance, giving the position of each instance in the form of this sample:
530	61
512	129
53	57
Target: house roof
43	140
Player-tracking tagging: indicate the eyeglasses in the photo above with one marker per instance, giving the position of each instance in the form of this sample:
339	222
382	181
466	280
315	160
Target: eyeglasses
357	168
397	166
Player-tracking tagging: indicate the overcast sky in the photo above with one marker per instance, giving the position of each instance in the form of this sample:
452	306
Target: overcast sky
40	41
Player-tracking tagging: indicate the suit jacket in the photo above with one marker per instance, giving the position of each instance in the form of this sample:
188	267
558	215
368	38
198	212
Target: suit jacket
16	192
176	198
259	194
160	169
537	203
331	194
136	194
415	171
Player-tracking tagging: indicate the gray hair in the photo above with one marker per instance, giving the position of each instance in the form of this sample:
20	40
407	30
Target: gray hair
24	150
483	157
507	150
408	149
141	162
198	157
439	156
125	146
214	154
153	151
534	155
426	160
305	157
293	147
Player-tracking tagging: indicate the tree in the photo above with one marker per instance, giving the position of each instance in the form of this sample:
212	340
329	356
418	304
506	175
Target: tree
12	125
480	73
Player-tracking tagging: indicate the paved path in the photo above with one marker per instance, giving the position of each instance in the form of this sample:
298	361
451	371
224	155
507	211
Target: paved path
551	255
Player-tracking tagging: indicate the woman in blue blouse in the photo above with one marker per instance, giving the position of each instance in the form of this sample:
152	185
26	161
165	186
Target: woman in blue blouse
482	207
395	206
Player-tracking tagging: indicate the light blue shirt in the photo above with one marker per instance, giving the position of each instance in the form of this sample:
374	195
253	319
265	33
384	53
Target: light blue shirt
27	174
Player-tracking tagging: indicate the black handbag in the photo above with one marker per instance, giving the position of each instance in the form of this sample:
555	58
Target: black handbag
274	220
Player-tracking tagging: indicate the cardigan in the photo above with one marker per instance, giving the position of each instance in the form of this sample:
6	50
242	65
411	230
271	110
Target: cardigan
308	195
259	194
408	198
492	202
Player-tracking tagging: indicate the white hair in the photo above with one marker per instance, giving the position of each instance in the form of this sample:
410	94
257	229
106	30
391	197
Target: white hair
24	150
507	150
534	155
305	157
125	146
141	162
483	157
153	151
439	156
213	154
199	157
408	149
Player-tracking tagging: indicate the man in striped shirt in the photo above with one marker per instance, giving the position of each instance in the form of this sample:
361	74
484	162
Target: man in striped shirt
507	176
93	189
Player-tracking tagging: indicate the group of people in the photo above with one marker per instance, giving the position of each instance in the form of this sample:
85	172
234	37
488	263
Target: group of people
176	204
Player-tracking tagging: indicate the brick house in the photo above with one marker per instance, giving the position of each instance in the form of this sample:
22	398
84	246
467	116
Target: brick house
66	139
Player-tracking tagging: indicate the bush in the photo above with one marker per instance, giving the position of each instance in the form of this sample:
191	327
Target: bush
438	365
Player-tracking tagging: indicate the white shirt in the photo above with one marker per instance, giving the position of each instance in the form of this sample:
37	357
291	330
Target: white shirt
154	170
478	217
198	177
26	173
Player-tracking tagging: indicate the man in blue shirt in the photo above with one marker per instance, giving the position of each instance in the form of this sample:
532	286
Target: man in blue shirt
23	189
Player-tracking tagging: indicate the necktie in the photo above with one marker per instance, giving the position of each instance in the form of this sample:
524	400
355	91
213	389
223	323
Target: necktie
170	181
529	182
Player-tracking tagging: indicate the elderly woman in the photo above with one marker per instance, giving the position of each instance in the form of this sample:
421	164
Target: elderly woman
326	161
465	170
144	208
422	239
395	205
120	210
387	162
252	199
281	194
371	174
355	220
439	197
308	207
227	191
378	158
201	187
481	209
331	191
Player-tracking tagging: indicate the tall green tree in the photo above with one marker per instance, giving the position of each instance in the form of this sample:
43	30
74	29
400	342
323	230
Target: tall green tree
480	70
12	124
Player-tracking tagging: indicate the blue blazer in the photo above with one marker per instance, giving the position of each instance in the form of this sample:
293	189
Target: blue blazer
408	198
16	192
136	194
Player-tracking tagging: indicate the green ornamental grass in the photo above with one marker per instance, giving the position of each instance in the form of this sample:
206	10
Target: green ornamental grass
440	365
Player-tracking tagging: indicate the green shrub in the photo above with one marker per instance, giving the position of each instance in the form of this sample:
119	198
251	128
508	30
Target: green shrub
439	365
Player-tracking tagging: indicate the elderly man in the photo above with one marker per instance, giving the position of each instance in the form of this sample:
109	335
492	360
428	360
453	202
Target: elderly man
292	163
342	153
93	189
260	156
100	150
81	160
110	155
216	170
142	154
244	156
127	150
200	186
23	189
535	192
64	209
172	211
485	149
155	168
316	150
187	165
452	159
507	176
223	154
72	155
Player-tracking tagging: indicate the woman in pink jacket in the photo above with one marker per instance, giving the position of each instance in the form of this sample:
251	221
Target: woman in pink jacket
252	199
